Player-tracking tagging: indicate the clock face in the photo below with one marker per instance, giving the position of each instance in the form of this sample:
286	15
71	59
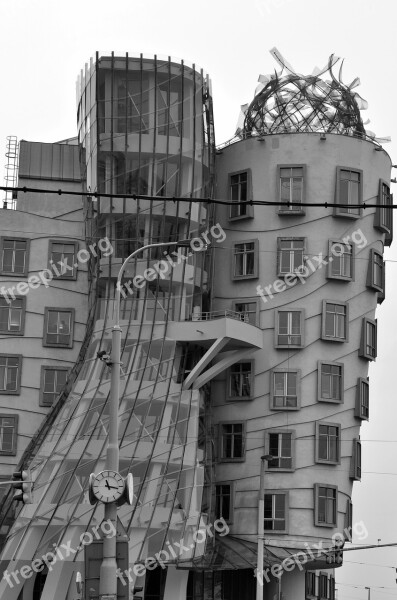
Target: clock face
108	486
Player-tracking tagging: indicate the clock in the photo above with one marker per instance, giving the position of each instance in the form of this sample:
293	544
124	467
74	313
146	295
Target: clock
107	486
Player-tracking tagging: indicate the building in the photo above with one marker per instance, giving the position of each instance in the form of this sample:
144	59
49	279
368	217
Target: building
247	353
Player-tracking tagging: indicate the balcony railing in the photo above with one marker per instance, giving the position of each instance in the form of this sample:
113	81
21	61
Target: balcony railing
220	314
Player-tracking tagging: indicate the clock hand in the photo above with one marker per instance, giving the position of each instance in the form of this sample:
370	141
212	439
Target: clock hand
107	484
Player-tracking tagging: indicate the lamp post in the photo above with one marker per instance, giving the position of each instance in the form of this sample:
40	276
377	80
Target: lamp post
108	575
261	530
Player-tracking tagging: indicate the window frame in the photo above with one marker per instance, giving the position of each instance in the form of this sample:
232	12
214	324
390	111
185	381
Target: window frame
371	274
249	207
253	275
382	223
331	255
280	273
231	508
12	452
361	411
21	331
68	275
285	493
348	520
310	590
47	311
298	389
316	489
244	438
331	363
323	321
356	461
294	210
27	255
248	301
323	586
17	391
231	398
290	432
43	370
364	341
337	209
278	311
327	461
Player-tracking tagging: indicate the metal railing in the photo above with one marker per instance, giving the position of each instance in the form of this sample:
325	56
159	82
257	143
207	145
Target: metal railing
220	314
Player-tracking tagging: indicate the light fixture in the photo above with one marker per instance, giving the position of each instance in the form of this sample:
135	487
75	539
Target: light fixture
261	138
378	148
393	180
323	137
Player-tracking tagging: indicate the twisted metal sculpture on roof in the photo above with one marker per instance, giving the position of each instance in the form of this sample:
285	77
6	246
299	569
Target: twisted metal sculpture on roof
294	103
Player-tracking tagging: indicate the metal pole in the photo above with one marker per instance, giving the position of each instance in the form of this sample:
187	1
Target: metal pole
369	592
108	575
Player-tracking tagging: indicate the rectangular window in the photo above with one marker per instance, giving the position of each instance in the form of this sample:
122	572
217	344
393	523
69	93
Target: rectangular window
223	501
348	520
310	585
355	471
8	434
58	327
240	381
12	315
250	310
323	586
53	381
14	256
326	505
232	441
289	328
280	445
348	192
327	442
276	509
376	271
245	260
335	321
285	393
10	373
63	259
368	347
291	181
330	381
331	582
362	399
384	214
240	193
340	260
290	255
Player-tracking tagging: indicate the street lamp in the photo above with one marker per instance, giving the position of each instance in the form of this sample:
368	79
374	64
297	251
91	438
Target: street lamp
108	576
261	530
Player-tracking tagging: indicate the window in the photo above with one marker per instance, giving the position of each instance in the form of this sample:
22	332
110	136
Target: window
245	260
348	192
310	585
289	328
330	381
290	255
240	192
355	470
12	315
384	214
285	392
223	501
362	399
240	381
58	327
327	443
368	347
335	320
14	256
340	261
325	505
276	510
291	181
348	520
8	434
232	441
10	373
250	309
53	380
280	446
323	586
376	271
63	259
331	582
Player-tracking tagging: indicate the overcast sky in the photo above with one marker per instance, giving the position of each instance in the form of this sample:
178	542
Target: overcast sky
45	43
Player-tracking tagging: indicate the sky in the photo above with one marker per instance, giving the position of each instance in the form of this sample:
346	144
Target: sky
44	44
